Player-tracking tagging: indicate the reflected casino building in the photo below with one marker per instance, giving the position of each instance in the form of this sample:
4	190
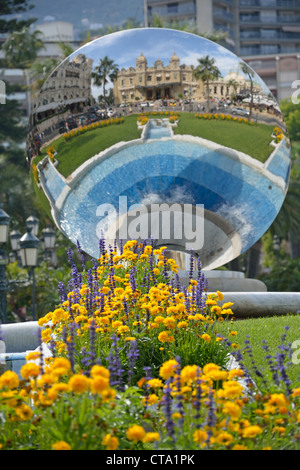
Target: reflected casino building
173	81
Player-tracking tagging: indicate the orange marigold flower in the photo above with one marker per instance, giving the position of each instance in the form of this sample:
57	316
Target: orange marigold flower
135	433
61	445
79	383
9	379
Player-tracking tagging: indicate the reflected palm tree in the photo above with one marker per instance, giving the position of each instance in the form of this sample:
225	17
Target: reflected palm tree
249	72
207	71
232	83
105	71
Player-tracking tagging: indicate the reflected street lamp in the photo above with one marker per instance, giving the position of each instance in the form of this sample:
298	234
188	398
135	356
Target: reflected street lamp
29	256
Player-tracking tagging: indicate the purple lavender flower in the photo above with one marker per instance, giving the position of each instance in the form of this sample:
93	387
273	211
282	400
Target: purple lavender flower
167	405
132	355
115	365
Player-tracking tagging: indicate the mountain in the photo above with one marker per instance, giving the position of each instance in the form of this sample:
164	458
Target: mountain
87	13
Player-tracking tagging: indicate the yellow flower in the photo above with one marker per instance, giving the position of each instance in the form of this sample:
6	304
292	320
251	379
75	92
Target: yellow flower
227	305
30	370
206	337
155	383
111	442
165	337
61	445
24	412
231	389
151	399
232	409
278	399
122	329
151	436
168	369
200	436
223	438
239	447
9	379
135	433
56	389
189	373
220	295
79	383
252	431
280	429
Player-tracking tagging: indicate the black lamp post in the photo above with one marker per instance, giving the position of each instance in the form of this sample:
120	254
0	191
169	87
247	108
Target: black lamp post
29	256
276	246
4	227
33	223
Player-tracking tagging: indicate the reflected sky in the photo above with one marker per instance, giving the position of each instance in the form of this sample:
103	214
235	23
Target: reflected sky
160	43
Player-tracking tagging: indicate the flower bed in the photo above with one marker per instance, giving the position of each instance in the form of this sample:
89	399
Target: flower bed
223	117
97	125
137	364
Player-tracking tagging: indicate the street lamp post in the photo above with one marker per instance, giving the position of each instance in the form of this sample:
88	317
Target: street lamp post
4	227
276	246
29	256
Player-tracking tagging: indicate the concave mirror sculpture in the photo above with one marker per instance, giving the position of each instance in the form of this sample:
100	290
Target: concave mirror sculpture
160	133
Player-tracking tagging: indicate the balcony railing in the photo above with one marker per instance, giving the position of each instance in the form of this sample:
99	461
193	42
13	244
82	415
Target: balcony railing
286	4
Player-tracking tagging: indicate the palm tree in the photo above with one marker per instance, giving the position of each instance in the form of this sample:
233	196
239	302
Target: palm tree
234	85
106	70
249	72
207	71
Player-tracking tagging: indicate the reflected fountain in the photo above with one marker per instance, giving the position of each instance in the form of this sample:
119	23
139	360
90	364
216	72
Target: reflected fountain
156	134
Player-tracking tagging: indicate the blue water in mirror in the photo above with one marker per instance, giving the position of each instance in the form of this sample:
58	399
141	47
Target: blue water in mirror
158	129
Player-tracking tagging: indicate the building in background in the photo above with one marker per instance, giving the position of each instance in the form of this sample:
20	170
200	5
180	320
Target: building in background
265	33
207	15
53	33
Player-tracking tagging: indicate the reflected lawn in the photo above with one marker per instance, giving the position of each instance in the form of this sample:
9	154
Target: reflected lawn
73	153
254	140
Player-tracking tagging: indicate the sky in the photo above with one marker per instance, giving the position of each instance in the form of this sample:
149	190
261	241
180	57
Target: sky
160	43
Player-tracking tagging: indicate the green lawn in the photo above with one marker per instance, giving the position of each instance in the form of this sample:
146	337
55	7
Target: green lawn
269	329
254	140
73	153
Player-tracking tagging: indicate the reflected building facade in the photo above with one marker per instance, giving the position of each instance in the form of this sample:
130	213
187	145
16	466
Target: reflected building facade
67	90
173	81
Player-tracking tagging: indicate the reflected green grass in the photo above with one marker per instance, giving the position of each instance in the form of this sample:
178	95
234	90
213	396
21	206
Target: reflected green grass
254	140
73	153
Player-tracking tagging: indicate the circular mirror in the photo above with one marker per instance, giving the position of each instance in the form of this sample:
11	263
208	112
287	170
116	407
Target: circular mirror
162	134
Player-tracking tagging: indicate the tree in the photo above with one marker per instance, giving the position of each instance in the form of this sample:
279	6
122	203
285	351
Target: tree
234	85
105	71
249	72
14	7
21	48
207	71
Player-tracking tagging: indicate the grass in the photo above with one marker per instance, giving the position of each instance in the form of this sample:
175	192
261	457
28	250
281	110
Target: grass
269	329
73	153
254	140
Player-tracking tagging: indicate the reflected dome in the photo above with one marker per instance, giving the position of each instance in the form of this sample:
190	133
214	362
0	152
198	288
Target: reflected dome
163	134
